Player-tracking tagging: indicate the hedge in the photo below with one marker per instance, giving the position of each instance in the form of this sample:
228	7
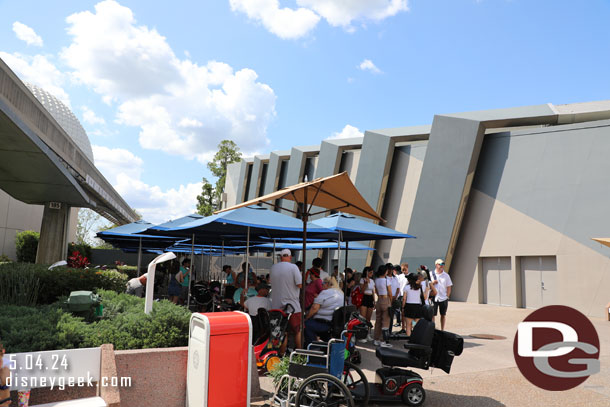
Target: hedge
53	284
50	327
26	245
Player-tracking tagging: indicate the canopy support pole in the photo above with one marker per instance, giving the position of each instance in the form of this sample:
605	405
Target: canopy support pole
209	265
304	218
139	256
188	294
274	252
247	256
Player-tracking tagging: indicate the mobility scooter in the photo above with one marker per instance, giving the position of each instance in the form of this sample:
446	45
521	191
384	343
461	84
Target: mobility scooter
427	348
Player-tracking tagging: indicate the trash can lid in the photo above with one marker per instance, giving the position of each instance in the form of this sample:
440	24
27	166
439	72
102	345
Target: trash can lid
224	323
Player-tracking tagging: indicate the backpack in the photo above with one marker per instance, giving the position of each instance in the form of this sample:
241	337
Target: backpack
357	296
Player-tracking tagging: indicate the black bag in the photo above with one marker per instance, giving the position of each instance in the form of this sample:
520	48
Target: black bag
427	310
445	345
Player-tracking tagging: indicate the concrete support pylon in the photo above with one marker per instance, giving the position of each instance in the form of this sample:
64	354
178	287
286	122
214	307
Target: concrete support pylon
52	245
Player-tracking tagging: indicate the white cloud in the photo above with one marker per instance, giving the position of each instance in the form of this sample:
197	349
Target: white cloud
114	161
123	169
348	131
286	23
27	34
90	117
180	107
368	65
290	23
39	71
341	13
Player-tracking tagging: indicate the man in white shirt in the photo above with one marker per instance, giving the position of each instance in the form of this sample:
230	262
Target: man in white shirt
442	282
286	282
396	295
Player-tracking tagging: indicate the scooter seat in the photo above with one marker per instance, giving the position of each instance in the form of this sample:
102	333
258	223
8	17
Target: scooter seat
395	357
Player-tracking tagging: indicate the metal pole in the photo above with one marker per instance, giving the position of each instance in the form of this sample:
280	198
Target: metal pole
305	216
188	294
345	278
247	255
274	252
209	264
139	256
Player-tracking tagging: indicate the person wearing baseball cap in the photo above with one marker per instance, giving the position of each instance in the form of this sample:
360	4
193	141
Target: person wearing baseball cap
442	283
286	281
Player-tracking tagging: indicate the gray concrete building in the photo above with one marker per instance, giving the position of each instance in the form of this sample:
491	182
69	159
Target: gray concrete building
46	171
510	198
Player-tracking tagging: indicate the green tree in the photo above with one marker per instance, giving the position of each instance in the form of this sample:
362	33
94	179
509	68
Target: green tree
206	202
89	223
209	200
228	153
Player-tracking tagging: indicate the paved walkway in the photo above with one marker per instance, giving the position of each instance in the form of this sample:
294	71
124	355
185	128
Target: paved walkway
485	375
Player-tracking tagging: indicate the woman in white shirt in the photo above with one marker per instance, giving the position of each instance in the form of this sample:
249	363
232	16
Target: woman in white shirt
383	288
367	287
412	300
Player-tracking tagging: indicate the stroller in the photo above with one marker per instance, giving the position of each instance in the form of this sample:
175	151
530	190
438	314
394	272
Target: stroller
272	327
356	328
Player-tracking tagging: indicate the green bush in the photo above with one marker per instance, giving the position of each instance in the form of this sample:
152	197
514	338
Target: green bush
60	281
50	327
130	271
19	287
29	329
26	243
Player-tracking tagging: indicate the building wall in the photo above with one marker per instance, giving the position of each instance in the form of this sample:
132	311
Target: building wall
402	185
540	193
16	216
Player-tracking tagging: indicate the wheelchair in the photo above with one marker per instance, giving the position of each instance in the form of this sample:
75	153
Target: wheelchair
319	382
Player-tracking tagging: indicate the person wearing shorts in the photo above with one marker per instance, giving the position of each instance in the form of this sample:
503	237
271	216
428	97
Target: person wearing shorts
367	287
286	282
442	283
412	301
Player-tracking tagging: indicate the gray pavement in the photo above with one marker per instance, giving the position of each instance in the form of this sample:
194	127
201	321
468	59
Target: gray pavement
485	375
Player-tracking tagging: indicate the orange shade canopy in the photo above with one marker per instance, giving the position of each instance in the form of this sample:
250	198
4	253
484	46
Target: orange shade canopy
336	192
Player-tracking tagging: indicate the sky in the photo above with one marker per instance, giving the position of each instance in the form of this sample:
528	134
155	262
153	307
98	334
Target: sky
157	85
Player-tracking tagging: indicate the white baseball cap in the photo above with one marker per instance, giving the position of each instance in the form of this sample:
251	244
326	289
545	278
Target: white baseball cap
439	261
285	253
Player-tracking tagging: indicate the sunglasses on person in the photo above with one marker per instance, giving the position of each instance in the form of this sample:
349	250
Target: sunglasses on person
441	264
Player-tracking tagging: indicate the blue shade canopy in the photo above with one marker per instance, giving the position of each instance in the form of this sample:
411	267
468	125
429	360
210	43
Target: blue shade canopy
352	228
234	224
315	246
126	237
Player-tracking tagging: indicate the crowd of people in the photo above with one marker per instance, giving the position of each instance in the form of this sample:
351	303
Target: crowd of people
396	295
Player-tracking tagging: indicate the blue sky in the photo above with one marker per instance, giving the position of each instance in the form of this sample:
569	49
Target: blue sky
158	84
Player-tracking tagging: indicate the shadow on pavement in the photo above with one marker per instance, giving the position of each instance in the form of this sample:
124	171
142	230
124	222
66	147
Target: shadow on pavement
437	398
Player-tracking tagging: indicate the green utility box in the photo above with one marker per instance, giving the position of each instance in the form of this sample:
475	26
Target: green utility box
84	303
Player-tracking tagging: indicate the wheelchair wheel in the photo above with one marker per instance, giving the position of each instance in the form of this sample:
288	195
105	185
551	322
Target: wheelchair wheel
321	390
414	395
356	382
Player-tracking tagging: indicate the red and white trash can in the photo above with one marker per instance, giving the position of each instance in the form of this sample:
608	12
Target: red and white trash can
219	359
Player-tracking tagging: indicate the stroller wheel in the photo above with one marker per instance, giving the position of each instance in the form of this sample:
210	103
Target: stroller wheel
414	395
272	363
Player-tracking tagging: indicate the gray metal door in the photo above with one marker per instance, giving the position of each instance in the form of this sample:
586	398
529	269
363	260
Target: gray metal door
498	281
539	280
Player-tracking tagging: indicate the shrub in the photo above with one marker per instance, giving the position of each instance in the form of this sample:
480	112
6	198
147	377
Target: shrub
131	271
50	327
78	261
19	287
26	244
60	281
29	329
